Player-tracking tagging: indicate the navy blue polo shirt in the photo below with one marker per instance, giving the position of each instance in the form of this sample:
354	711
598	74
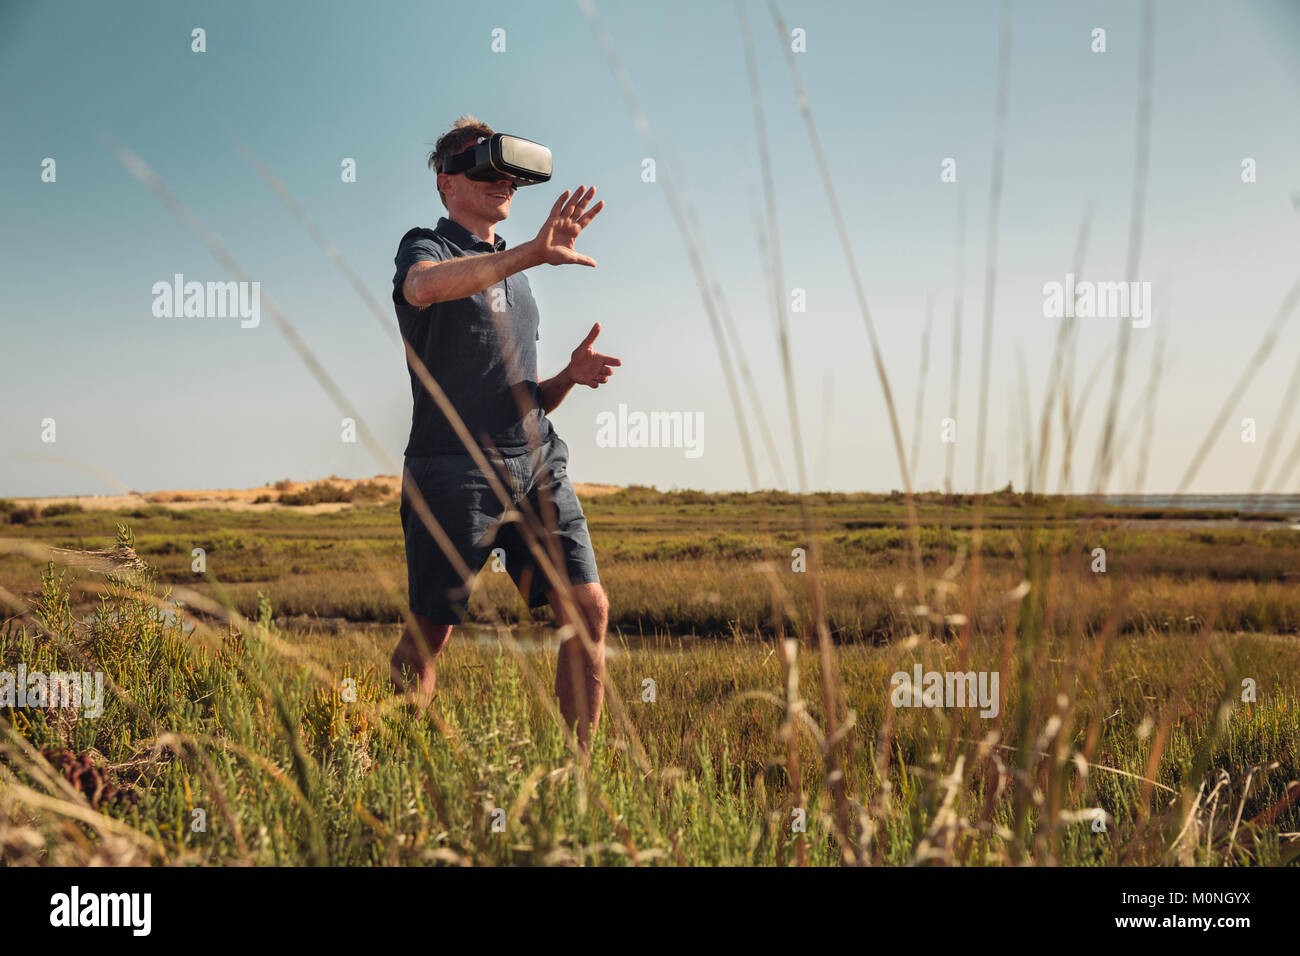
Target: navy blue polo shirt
481	349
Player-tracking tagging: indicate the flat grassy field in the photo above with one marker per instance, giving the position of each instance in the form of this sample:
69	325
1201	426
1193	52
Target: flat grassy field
688	563
1147	714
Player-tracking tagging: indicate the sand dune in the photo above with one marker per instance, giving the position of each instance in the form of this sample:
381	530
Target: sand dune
266	497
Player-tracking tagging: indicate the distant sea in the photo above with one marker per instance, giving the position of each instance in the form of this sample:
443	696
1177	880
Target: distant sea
1273	504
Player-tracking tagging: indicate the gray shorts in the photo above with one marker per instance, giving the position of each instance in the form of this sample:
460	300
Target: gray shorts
461	500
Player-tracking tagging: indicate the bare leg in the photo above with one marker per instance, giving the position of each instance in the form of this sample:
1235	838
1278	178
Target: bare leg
412	664
579	675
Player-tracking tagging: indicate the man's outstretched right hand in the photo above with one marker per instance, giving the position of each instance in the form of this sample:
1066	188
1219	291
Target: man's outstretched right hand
554	243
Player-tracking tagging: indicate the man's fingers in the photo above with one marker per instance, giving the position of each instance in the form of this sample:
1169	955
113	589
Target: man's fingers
573	202
573	199
591	214
559	203
582	200
591	336
607	359
571	258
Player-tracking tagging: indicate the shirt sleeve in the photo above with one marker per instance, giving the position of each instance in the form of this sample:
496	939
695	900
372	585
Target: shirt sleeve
415	247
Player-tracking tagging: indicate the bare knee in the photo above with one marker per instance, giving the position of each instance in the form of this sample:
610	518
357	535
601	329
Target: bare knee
427	638
591	603
595	608
600	606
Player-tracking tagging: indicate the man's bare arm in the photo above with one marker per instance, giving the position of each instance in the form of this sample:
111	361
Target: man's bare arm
586	367
430	282
555	389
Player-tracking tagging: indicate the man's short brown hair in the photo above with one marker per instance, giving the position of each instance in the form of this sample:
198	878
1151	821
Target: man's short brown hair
464	133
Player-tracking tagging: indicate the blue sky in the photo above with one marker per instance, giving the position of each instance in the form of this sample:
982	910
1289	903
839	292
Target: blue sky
151	403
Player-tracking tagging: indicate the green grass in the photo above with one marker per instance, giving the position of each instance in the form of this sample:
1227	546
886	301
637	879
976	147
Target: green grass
664	575
258	726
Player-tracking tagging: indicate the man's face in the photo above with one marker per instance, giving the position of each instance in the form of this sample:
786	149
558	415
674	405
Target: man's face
477	200
494	196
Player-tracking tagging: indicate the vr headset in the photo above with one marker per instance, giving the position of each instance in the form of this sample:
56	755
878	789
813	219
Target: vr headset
502	156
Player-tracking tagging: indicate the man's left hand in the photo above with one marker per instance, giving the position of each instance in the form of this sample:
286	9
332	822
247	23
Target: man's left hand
587	366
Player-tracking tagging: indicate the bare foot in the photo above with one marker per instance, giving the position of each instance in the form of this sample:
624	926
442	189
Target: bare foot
412	664
414	678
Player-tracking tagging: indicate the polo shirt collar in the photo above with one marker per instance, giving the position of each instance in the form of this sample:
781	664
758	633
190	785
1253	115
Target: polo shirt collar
466	239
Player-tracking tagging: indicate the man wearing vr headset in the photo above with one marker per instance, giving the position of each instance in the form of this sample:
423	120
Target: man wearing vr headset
465	307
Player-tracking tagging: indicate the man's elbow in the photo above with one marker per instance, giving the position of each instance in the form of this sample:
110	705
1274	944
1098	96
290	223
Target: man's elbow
411	293
418	288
